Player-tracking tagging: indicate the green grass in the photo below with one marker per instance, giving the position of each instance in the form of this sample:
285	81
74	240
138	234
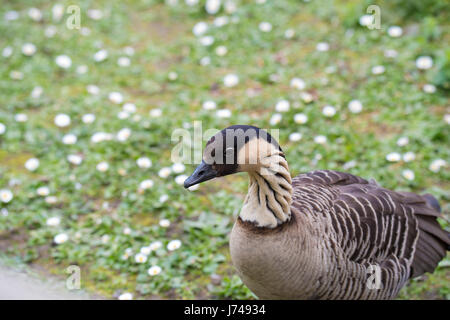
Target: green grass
93	204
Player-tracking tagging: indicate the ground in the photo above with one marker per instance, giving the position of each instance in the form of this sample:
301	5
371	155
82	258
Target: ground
100	217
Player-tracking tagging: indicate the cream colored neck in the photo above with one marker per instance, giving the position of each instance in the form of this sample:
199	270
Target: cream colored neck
269	194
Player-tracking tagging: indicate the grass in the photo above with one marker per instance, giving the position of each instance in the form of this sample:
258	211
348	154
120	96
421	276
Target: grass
167	72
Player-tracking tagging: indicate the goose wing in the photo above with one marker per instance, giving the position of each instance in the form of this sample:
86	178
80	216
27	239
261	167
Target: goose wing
376	225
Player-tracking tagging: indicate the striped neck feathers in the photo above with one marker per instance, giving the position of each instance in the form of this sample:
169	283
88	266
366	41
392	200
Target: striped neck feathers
269	196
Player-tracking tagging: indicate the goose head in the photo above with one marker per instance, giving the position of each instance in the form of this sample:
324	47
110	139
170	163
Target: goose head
238	148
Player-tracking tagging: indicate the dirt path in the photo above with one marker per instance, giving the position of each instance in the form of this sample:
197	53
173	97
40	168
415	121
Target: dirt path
15	285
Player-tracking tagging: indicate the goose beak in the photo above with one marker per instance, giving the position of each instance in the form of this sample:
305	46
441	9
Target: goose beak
203	172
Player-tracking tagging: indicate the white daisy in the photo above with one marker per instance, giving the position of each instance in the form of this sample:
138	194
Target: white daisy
129	51
88	118
365	20
61	238
178	167
221	21
447	118
2	128
297	83
155	245
21	117
402	141
123	134
212	6
282	106
36	92
230	80
51	199
328	111
191	2
6	195
62	120
101	55
221	51
409	156
265	26
155	113
424	62
43	191
28	49
378	69
144	162
50	31
393	157
295	136
164	172
126	296
35	14
163	198
69	139
437	164
429	88
93	89
300	118
101	136
275	119
408	174
16	75
355	106
180	179
82	69
395	31
7	52
320	139
173	245
74	159
164	223
63	61
322	47
200	28
11	15
53	221
390	53
206	41
32	164
129	107
140	258
57	11
145	250
95	14
102	166
223	113
115	97
126	231
146	184
205	61
289	33
123	62
154	270
209	105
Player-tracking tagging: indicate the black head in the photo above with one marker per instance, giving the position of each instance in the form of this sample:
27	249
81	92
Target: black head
223	154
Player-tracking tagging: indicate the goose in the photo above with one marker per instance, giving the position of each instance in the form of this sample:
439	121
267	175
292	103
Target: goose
323	234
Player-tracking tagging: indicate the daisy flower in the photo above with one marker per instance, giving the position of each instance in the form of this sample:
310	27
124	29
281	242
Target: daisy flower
61	238
6	195
300	118
355	106
230	80
62	120
173	245
140	258
126	296
282	106
102	166
424	62
164	172
146	184
53	221
63	61
144	162
32	164
154	270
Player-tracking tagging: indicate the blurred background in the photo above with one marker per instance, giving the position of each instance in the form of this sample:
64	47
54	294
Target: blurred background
92	91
